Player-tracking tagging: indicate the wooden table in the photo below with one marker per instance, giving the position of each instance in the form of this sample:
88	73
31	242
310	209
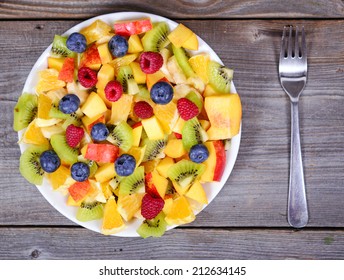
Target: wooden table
247	220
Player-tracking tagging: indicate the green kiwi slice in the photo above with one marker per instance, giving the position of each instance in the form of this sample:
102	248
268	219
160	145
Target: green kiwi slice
220	77
153	228
195	98
156	39
185	172
134	183
126	78
59	47
89	211
73	118
122	136
183	61
193	133
29	165
154	148
63	150
25	111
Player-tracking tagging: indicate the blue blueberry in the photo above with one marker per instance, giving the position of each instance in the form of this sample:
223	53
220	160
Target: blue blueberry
69	103
80	171
125	165
49	161
118	46
198	153
76	42
161	93
99	132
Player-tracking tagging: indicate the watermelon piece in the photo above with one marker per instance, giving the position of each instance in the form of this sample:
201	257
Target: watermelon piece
79	190
102	153
66	73
91	58
128	28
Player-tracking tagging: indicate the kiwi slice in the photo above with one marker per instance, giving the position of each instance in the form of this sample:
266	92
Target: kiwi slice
193	133
73	118
122	136
126	78
63	150
185	172
29	165
153	228
154	148
89	211
183	61
59	47
134	183
25	111
156	38
220	77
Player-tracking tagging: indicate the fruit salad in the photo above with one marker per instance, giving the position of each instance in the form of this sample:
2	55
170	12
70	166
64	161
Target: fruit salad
129	121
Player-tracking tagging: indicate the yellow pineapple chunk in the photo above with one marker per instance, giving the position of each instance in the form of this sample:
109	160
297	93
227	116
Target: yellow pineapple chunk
121	108
93	106
104	53
137	132
96	31
134	44
105	75
56	62
196	192
153	128
164	165
191	43
179	35
118	62
105	172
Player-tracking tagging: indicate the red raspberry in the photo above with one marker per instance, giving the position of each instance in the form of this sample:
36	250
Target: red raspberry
151	206
113	91
87	77
143	110
187	109
74	135
150	62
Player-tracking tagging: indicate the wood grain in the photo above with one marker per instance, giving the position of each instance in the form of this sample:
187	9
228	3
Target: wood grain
186	9
256	193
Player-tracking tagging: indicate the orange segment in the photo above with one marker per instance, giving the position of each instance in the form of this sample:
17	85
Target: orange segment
112	221
34	135
59	177
199	64
167	115
48	80
128	205
180	212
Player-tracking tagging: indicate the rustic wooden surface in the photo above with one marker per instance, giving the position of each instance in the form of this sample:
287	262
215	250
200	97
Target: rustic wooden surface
248	219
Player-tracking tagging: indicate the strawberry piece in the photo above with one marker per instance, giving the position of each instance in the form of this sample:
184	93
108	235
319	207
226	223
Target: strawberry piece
79	190
143	110
87	77
66	73
151	62
187	109
113	91
151	206
74	135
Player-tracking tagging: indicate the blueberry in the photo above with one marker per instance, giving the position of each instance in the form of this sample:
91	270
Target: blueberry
49	161
125	165
99	132
118	46
198	153
69	103
76	42
80	171
161	93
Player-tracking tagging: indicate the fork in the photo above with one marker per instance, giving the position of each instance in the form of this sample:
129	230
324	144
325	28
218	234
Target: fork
293	78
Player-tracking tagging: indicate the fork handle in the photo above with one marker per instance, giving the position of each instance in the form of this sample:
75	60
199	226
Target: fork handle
297	202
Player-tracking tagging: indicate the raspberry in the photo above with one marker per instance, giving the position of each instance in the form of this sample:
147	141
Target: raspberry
143	110
187	109
113	91
87	77
150	62
74	135
151	206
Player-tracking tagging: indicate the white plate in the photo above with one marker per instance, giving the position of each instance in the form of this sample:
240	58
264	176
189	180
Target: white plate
55	198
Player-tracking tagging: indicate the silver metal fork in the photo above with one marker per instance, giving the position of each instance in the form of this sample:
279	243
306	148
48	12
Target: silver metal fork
293	78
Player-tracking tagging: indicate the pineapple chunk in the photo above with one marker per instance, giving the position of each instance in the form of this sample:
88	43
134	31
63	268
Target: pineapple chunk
121	108
105	172
104	53
191	43
105	75
196	192
179	35
96	31
134	44
93	106
55	62
153	128
164	165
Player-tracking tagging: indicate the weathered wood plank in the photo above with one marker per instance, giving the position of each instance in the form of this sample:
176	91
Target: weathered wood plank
74	243
44	9
256	192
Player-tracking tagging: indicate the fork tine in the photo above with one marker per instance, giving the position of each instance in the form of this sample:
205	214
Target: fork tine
290	48
303	44
283	44
296	52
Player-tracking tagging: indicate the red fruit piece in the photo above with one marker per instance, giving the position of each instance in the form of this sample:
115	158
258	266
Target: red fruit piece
79	190
113	91
127	28
102	153
74	135
91	58
143	110
66	73
220	159
151	62
149	186
151	206
187	109
178	135
87	77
